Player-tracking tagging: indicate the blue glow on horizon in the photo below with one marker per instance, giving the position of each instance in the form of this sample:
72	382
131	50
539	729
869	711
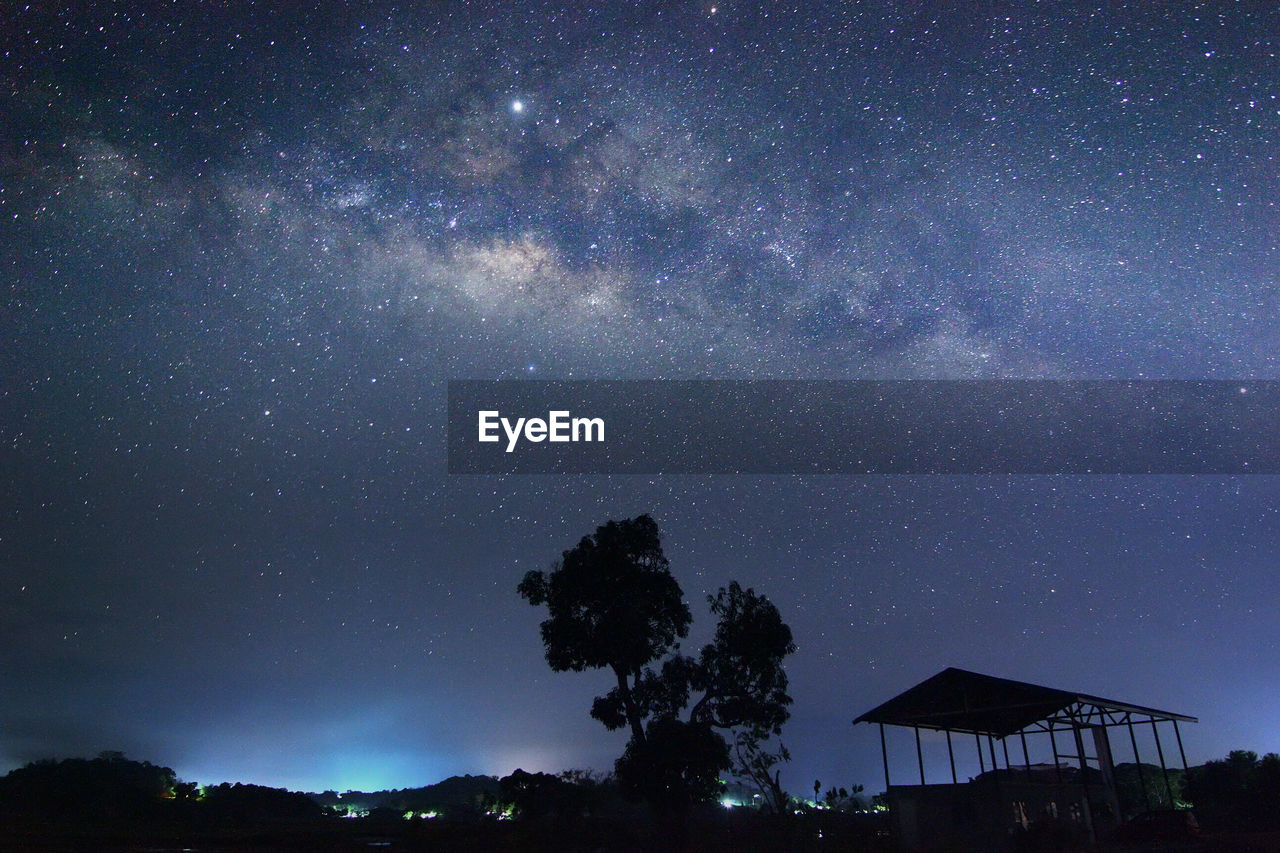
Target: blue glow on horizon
351	769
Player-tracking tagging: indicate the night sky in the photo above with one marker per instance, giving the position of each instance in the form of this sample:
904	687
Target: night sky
244	250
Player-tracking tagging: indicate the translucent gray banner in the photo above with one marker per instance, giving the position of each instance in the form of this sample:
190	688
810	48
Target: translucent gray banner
864	427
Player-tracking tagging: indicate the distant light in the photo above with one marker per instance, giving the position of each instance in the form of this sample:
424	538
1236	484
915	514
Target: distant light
517	106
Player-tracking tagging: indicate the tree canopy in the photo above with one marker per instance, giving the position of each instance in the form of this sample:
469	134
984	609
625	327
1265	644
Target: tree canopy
613	603
1240	792
740	672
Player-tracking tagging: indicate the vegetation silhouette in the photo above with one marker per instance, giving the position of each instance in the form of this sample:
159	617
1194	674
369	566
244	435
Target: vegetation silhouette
229	803
108	789
456	798
114	803
113	797
111	803
613	604
1141	788
561	799
1240	792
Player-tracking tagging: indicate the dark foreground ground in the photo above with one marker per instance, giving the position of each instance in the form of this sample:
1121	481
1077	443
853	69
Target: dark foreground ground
712	831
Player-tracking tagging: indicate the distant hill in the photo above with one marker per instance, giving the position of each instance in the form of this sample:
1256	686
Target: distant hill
457	793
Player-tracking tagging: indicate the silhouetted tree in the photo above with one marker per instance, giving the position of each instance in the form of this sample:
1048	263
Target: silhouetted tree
108	788
535	795
839	799
564	799
757	764
613	603
1142	787
740	672
677	764
1238	792
745	686
257	804
740	685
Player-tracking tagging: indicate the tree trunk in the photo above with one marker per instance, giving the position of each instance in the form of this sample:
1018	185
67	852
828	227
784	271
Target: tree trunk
628	702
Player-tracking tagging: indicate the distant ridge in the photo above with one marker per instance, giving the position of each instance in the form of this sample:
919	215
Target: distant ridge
456	792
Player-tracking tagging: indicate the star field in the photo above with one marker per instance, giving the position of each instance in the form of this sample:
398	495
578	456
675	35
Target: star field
244	250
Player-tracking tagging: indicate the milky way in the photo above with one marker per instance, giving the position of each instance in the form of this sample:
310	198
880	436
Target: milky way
245	251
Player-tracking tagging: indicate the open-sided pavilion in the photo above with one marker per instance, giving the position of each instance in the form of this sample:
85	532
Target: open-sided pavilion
1077	787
